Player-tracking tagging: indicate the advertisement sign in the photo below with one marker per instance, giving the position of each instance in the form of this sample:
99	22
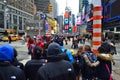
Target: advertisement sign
66	21
79	22
66	27
75	29
66	15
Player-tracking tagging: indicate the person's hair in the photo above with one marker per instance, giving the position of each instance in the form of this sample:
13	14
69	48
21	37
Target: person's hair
37	52
87	48
80	47
101	49
80	50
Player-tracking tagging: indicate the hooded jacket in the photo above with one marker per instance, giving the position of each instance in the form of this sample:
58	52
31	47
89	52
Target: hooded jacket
10	72
56	68
69	54
32	66
7	70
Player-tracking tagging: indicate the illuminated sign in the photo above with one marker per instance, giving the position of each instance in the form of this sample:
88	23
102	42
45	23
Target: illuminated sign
66	26
66	21
66	15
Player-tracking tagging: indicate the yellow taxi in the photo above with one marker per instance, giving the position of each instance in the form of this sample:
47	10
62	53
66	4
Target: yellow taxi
5	38
20	37
14	38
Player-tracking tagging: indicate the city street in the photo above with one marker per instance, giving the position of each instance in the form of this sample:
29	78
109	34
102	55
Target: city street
23	56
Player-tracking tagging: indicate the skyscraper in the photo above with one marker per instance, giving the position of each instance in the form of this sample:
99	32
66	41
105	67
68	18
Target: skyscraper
25	5
15	14
42	5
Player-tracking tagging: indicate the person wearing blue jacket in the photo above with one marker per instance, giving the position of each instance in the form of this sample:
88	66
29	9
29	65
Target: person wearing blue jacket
69	54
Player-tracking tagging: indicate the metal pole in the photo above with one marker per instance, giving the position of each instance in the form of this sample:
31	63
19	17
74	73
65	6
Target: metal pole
97	16
39	24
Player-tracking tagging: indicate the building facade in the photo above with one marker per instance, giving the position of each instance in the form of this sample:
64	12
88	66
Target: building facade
60	21
111	18
16	14
42	5
53	14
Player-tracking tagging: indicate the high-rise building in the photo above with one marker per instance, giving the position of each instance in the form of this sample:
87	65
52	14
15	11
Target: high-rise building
54	8
80	5
60	23
24	5
53	13
16	14
42	5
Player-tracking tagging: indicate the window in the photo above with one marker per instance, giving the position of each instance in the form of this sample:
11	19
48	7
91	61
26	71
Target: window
20	23
1	20
15	19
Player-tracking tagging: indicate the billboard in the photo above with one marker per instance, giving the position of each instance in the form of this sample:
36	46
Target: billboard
66	21
79	22
66	27
66	15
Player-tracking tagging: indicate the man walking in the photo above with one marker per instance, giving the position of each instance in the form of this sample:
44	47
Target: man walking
56	68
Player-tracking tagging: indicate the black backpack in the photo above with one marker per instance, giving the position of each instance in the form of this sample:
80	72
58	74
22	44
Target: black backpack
88	69
79	63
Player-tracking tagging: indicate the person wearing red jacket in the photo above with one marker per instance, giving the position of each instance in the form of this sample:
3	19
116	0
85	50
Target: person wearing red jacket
40	43
29	44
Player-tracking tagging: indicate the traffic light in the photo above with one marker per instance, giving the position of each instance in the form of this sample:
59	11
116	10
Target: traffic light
49	8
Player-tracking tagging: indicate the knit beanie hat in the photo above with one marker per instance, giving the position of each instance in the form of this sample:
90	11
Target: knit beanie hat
6	52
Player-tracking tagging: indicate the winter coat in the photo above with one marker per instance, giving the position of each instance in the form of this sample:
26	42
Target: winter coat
32	66
18	64
56	70
40	44
69	54
10	72
102	72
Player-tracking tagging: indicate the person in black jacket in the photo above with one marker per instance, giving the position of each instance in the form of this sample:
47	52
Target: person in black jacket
9	39
56	68
15	62
7	70
32	66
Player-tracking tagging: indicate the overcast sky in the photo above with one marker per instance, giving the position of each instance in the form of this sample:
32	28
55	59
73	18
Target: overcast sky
73	4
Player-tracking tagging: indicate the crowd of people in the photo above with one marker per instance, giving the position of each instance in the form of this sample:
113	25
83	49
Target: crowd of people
50	60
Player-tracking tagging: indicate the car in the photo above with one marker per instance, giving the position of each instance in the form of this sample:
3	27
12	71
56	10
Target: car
19	37
5	38
14	38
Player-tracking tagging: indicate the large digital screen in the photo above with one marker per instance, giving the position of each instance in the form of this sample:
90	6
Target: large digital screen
66	21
